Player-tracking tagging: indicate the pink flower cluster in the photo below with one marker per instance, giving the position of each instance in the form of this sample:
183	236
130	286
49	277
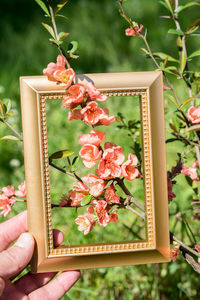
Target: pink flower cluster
83	104
110	160
98	212
89	112
57	72
7	197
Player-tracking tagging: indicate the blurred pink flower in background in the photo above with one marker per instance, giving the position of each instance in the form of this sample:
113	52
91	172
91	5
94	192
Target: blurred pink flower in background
133	31
21	190
174	254
191	172
193	114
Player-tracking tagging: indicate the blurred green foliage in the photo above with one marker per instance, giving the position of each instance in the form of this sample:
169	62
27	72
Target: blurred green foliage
103	47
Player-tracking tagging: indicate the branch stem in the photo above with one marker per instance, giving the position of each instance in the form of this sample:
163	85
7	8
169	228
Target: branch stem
12	129
65	172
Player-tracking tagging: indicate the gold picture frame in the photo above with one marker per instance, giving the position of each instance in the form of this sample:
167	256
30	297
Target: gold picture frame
35	90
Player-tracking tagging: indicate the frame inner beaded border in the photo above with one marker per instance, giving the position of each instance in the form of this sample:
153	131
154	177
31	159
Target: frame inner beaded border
146	137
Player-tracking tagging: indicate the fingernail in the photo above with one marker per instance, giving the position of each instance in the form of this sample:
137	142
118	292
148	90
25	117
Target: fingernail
25	240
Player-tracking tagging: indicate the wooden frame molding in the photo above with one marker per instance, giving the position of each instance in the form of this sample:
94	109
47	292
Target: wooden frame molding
35	91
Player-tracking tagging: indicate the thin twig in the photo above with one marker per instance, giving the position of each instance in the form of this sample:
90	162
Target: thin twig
72	174
185	246
56	34
13	129
128	193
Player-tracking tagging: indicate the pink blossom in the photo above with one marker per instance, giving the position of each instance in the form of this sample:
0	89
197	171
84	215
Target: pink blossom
109	165
100	207
103	218
174	254
193	114
92	113
128	168
97	184
197	247
21	190
75	95
5	205
65	201
94	94
191	172
64	77
95	138
8	191
135	30
113	217
53	67
111	195
75	115
113	152
195	164
76	197
85	222
171	195
90	154
81	187
105	119
165	87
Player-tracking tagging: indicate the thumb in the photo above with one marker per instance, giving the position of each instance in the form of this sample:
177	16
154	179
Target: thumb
15	258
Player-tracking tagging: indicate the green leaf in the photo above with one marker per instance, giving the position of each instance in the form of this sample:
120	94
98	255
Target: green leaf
172	99
86	199
183	60
145	51
55	42
61	16
63	35
43	6
9	138
61	154
8	105
163	56
194	54
193	24
167	4
49	29
75	162
60	5
72	47
182	7
2	108
188	101
176	31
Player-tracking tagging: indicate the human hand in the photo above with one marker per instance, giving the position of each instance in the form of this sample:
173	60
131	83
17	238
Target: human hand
14	259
